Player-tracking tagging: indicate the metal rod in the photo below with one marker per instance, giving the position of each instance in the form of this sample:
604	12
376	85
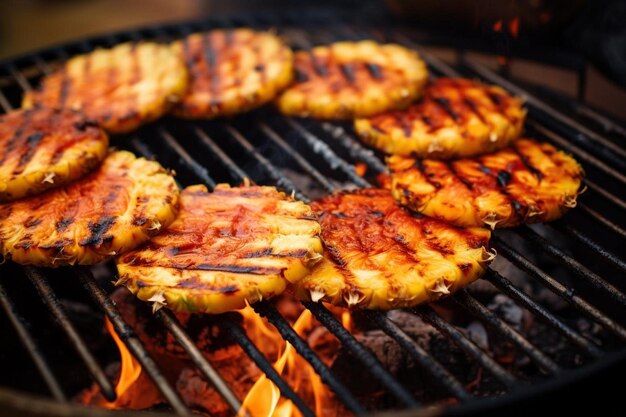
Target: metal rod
354	147
234	170
580	153
281	181
296	156
461	340
572	264
132	342
568	294
605	194
603	220
20	326
590	243
171	323
199	170
441	375
368	359
321	148
50	299
515	293
482	312
242	339
289	334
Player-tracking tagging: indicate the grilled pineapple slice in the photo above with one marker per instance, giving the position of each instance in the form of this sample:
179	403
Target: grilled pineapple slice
456	118
380	256
120	205
232	71
528	182
120	88
353	79
226	248
44	148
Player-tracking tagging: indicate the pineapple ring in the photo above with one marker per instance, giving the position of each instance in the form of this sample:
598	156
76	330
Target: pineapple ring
353	79
44	148
121	88
528	182
232	71
379	256
226	248
456	118
117	207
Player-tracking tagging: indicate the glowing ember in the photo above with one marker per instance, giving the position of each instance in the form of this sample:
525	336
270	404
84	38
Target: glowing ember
360	168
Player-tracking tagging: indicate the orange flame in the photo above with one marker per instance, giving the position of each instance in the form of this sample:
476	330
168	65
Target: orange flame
263	399
128	394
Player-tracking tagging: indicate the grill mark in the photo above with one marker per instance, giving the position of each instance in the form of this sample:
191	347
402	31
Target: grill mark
66	82
347	70
134	79
453	170
530	167
255	270
472	106
374	70
31	222
318	67
63	224
98	230
31	147
503	178
403	123
422	169
334	255
427	120
300	75
13	143
444	103
404	247
210	56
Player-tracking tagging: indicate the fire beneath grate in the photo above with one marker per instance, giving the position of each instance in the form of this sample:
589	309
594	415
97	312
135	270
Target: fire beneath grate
551	305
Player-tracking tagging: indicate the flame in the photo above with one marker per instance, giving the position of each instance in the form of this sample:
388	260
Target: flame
346	320
263	399
129	394
497	27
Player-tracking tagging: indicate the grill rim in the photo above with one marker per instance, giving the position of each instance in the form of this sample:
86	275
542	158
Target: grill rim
255	21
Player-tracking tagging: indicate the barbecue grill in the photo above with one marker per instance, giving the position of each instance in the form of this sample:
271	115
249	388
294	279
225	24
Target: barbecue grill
574	258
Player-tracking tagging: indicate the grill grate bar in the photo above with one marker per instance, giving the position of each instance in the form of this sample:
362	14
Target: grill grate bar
572	264
590	140
234	170
461	340
603	220
300	160
605	194
132	342
561	290
4	103
441	375
21	327
242	339
367	358
590	243
584	156
199	170
281	180
354	147
52	302
321	148
511	290
172	324
289	334
475	307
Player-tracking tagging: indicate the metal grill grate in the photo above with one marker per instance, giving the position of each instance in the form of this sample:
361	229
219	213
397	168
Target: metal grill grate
325	153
